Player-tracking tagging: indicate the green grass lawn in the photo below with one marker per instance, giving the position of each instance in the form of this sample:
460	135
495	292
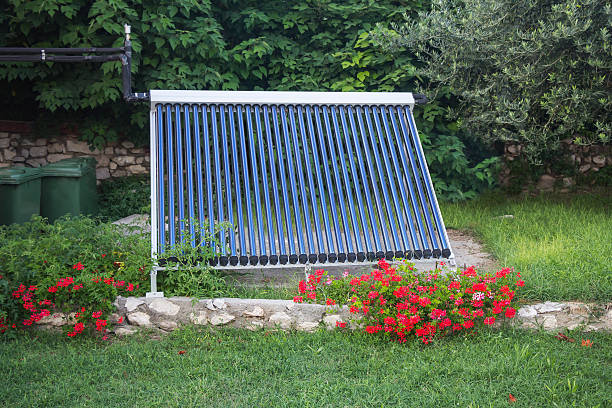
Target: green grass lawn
562	244
237	368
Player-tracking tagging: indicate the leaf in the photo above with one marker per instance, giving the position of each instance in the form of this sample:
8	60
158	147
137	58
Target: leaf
563	337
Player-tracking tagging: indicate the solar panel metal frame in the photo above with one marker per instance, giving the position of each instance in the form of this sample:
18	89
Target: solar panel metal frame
402	102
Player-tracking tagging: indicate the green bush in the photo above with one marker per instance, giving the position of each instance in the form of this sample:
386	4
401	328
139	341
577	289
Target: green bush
124	196
536	72
40	255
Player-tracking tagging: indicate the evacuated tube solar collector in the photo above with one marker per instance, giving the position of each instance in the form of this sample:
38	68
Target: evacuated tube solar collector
301	177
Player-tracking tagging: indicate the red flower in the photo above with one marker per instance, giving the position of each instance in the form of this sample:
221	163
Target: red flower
468	324
298	299
103	255
97	314
510	312
373	295
312	295
489	320
52	289
130	287
302	287
520	282
340	324
330	302
79	266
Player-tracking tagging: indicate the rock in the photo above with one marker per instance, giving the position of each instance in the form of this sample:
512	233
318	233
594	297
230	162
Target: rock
77	146
199	318
255	325
256	312
221	319
40	142
164	306
138	150
136	169
568	181
139	319
55	320
167	325
26	142
55	148
132	303
52	158
219	304
112	165
19	159
119	173
548	307
109	150
546	182
579	309
127	145
308	326
124	331
549	322
38	151
512	149
9	154
115	317
103	161
584	168
281	319
4	143
599	160
24	153
123	160
102	173
139	160
120	151
41	161
330	321
527	312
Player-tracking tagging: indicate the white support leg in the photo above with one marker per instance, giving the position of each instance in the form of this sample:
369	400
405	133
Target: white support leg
154	293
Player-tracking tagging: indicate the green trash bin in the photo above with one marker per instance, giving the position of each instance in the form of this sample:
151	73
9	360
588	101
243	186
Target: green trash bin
19	194
69	187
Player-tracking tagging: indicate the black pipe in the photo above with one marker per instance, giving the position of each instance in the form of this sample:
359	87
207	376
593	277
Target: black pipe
19	50
61	58
420	98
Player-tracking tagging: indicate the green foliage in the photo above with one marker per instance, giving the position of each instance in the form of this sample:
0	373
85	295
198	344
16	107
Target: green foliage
121	197
536	72
231	44
187	271
40	254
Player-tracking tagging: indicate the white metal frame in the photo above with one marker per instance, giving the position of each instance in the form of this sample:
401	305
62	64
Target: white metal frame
283	97
263	98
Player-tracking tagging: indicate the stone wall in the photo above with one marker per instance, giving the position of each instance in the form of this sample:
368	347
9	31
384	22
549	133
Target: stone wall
583	160
115	160
167	314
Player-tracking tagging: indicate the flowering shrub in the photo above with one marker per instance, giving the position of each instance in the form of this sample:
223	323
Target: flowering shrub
86	294
399	303
61	259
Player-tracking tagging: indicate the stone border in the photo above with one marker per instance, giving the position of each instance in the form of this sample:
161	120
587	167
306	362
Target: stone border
167	314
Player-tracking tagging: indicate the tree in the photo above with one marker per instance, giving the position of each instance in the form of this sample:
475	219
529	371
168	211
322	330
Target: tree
531	71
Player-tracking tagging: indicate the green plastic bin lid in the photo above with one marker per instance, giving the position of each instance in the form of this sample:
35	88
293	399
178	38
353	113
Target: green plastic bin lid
18	175
75	167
